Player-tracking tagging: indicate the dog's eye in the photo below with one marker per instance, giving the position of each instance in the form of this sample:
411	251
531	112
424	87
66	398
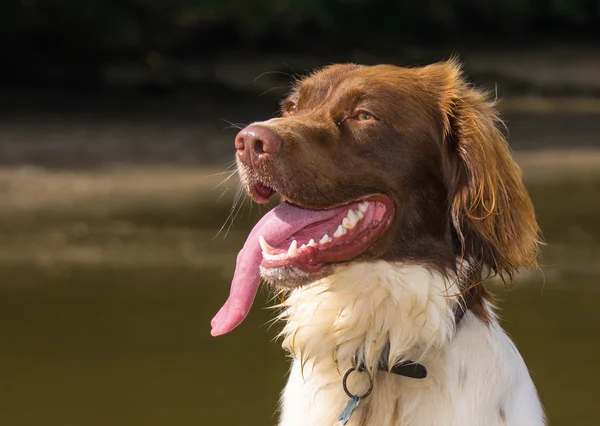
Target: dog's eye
364	116
290	108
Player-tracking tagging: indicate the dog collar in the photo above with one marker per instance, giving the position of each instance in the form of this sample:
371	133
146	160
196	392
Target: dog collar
411	369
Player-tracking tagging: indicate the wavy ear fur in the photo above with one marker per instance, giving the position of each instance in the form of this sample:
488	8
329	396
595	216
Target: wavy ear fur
491	213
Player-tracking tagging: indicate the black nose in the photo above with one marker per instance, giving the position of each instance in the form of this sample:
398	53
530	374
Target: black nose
256	144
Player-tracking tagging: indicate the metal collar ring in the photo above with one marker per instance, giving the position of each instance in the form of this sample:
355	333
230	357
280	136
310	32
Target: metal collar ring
351	395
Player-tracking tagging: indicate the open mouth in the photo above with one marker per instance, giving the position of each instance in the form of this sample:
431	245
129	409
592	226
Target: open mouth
347	232
290	236
261	193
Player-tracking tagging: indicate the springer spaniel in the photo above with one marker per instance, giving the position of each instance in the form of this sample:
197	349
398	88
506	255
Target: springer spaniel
401	197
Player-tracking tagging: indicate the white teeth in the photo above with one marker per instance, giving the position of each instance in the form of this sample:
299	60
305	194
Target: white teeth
293	250
360	214
303	246
363	207
326	239
340	231
264	245
347	224
268	256
352	217
312	243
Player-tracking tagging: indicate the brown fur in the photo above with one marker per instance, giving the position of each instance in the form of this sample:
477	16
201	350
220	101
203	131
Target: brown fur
435	149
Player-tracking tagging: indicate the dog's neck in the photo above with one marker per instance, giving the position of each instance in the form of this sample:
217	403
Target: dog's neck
362	308
475	375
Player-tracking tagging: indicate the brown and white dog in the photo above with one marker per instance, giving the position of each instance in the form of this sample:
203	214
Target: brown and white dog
401	197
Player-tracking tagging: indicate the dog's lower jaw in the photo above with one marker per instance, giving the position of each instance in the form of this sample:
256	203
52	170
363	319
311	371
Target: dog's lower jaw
289	277
475	374
284	278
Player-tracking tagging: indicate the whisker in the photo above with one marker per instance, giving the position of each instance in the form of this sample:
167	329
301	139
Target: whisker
236	199
221	196
272	72
223	172
241	207
232	125
271	89
218	174
231	174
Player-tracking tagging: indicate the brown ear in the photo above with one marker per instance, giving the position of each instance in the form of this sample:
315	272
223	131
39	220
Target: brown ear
491	213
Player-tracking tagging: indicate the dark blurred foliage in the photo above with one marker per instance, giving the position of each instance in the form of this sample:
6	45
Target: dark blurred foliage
54	34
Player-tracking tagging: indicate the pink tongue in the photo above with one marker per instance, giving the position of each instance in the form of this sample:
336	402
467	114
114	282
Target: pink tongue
276	226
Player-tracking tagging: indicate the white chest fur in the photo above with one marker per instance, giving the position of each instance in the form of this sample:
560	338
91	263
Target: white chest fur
476	376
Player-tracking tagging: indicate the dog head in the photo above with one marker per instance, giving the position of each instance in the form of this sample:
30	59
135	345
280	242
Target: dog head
384	162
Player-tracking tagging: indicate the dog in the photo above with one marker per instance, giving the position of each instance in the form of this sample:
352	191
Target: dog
400	196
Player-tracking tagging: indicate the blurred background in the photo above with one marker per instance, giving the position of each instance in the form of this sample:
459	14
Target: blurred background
117	232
